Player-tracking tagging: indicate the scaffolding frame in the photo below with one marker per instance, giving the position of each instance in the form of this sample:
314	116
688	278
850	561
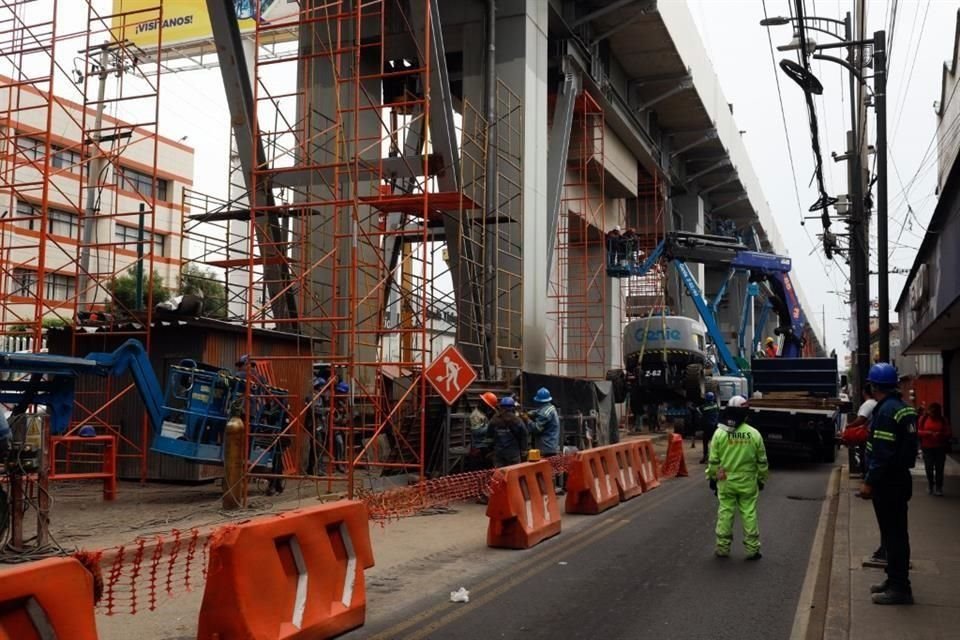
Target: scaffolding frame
360	243
47	172
647	294
577	290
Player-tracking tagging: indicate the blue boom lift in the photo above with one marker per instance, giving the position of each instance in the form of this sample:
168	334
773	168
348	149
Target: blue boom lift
768	269
187	421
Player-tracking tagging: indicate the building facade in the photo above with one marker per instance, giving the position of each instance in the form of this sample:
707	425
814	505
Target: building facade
929	306
51	266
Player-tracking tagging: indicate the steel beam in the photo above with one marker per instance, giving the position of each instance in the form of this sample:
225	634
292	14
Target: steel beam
740	198
236	82
732	178
710	169
467	286
643	11
683	85
558	148
602	11
711	135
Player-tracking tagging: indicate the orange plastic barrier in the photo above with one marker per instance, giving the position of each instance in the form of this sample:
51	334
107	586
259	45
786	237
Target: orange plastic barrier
523	509
50	598
293	576
628	471
591	483
675	465
648	464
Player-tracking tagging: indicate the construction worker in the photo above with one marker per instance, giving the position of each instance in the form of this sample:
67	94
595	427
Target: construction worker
509	434
544	424
737	470
709	418
342	416
891	452
318	418
481	444
770	348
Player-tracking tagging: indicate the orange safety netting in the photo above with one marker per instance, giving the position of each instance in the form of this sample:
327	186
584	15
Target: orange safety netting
138	576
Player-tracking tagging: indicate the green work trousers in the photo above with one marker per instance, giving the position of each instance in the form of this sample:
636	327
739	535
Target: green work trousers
742	499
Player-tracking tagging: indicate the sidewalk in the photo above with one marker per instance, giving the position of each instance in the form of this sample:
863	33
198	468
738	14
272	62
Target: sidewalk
935	556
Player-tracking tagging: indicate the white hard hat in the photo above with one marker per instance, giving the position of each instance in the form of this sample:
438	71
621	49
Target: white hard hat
737	401
616	227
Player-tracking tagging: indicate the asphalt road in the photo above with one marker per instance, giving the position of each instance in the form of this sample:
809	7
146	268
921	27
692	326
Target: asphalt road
644	569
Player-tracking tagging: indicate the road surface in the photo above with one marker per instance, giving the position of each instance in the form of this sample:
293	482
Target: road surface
642	570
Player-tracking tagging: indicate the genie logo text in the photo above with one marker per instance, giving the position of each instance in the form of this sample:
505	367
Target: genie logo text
665	335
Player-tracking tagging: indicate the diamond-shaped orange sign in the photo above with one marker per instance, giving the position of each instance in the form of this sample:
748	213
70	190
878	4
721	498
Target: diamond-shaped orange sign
450	374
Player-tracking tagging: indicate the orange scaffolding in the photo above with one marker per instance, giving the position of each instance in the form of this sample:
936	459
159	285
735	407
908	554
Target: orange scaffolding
577	292
358	247
72	175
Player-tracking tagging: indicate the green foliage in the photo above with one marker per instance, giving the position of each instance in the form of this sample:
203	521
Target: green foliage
195	279
123	288
55	322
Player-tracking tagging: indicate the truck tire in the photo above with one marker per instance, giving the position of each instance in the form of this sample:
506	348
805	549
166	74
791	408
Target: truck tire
694	383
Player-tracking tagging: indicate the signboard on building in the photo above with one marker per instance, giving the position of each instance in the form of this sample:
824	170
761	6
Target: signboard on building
450	374
187	22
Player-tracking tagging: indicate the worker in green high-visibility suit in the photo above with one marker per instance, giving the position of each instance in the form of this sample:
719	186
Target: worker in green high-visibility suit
737	470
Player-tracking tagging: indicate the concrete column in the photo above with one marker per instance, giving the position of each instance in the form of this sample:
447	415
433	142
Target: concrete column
689	207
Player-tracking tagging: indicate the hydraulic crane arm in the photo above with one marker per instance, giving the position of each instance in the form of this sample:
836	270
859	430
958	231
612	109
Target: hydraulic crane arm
132	357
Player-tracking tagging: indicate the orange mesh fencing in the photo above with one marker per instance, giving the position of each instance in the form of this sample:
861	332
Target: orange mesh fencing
139	576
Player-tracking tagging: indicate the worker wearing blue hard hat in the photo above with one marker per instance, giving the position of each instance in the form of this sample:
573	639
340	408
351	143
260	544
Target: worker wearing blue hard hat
891	452
709	419
544	424
509	434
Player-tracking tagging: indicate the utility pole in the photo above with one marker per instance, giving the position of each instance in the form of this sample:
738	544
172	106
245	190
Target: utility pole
859	230
880	103
94	169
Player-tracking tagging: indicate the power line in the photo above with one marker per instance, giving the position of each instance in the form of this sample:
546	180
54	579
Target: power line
783	119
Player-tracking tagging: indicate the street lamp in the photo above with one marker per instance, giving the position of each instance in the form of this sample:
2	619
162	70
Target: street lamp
859	238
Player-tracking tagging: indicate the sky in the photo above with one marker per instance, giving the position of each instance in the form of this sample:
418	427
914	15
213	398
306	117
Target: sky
923	35
193	108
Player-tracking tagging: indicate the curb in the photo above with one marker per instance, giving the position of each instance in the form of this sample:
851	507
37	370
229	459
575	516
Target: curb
837	623
814	594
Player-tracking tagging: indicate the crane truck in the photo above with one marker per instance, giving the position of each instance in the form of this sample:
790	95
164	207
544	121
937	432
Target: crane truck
667	358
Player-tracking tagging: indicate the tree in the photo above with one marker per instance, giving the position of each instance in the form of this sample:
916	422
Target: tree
195	279
123	288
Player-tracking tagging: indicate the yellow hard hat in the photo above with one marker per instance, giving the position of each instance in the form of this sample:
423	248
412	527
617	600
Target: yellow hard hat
769	340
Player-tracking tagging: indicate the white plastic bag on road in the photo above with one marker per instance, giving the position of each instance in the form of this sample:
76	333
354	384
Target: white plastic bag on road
460	595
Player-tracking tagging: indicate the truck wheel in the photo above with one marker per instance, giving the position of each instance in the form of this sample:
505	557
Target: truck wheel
694	383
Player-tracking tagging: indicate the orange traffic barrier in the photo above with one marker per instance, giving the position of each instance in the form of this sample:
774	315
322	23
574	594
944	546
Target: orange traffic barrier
675	465
591	483
523	508
288	577
628	471
50	598
648	464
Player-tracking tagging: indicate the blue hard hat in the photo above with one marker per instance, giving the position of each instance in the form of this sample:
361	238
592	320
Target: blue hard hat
319	383
242	360
342	387
543	395
508	402
87	431
883	374
710	397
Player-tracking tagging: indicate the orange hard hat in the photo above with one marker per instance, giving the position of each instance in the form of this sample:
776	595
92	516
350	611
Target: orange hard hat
490	399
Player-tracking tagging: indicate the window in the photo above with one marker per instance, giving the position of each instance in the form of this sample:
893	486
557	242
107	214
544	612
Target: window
128	237
133	180
29	148
56	285
59	286
66	159
59	222
24	283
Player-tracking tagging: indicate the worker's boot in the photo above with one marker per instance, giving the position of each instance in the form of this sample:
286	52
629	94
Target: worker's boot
879	588
892	596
